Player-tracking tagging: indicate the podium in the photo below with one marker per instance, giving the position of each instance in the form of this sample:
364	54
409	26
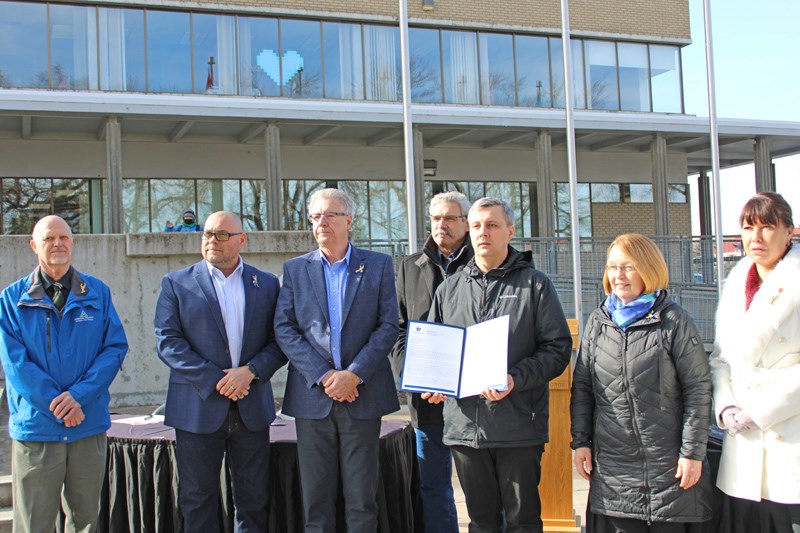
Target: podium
555	487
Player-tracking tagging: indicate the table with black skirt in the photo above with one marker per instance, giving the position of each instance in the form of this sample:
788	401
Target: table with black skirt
141	488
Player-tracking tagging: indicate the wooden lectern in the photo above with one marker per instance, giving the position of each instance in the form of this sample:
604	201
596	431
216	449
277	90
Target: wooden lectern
555	487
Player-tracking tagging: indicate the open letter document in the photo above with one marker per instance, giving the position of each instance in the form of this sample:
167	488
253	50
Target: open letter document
456	361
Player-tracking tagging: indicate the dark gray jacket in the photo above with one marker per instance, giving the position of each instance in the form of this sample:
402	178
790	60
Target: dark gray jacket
539	346
418	276
641	399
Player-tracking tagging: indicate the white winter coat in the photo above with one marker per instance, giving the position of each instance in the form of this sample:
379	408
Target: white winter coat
756	366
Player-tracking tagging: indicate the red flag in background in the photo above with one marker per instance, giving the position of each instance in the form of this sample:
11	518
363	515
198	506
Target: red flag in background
210	78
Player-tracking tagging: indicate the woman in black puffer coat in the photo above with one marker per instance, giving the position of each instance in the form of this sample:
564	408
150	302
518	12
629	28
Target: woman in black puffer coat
641	400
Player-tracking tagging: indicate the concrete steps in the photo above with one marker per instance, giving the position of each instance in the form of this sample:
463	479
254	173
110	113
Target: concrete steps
6	512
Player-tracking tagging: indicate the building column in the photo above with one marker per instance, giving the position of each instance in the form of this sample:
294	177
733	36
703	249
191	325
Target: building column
707	262
544	184
658	155
419	184
272	181
765	180
114	174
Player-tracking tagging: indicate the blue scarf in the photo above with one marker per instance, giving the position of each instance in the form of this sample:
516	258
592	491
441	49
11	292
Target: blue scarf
624	315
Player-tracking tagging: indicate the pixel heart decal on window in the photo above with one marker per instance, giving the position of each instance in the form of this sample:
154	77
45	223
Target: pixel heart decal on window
270	63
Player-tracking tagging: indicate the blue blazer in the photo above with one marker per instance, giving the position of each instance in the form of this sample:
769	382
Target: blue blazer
191	340
369	330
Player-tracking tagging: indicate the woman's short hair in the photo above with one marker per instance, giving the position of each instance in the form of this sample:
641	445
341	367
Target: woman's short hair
767	208
646	257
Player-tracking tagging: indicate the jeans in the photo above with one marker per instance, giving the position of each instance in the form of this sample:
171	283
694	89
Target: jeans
436	472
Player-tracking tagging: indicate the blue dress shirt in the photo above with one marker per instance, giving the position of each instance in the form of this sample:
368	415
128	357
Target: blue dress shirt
335	284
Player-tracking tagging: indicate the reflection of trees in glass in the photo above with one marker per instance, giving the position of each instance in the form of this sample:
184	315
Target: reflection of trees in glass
295	202
426	85
136	199
71	202
59	79
540	98
304	83
600	96
501	88
25	200
5	80
563	210
251	205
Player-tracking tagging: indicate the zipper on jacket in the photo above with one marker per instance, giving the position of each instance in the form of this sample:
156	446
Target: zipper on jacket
47	321
635	425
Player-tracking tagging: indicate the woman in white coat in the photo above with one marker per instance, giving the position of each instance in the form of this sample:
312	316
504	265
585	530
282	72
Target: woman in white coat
756	369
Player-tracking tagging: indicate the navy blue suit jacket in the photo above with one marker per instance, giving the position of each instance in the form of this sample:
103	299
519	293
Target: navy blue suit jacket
369	330
191	340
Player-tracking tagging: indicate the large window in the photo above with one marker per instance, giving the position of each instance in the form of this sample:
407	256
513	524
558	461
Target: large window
563	218
81	47
26	200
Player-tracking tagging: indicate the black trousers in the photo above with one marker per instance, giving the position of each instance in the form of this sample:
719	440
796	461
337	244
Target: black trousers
501	483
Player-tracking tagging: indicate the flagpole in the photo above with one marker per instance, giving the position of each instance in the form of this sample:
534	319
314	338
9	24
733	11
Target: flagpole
408	132
573	169
714	138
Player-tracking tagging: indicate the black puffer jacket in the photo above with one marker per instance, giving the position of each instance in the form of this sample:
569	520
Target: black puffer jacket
641	399
539	346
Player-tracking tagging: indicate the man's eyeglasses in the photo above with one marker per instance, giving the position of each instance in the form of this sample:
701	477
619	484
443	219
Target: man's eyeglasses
221	236
620	268
447	218
330	216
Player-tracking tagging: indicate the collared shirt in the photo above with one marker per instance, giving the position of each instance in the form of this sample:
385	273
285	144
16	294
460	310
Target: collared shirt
335	285
65	281
230	295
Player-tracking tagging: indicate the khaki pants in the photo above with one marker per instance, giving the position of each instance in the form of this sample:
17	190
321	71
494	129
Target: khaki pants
49	475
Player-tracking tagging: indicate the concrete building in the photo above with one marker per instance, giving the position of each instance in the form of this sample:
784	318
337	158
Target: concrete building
119	115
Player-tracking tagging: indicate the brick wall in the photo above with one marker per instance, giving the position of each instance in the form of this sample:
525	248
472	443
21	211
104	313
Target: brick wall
610	220
668	19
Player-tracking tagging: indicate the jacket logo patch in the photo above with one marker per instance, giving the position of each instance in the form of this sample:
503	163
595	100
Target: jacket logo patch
83	317
508	296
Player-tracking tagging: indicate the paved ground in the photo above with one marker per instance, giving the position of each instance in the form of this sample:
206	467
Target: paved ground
580	487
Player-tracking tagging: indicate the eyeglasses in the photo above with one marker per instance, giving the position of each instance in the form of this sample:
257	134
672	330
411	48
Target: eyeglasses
221	236
330	216
447	218
620	268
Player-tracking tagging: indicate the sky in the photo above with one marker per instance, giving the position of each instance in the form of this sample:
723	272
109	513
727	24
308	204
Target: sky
756	74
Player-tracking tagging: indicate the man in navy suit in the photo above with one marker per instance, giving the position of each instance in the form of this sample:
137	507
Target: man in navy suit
214	330
336	322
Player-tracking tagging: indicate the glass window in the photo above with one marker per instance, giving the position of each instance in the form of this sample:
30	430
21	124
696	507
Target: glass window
387	210
254	214
214	38
136	199
382	63
578	81
634	81
259	57
122	65
359	191
169	62
73	47
71	201
678	193
425	64
533	71
460	63
665	78
169	198
606	193
301	59
641	193
23	45
563	211
25	201
344	65
601	75
498	82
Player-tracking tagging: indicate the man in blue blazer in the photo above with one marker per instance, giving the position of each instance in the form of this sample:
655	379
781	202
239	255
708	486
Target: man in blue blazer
336	321
213	328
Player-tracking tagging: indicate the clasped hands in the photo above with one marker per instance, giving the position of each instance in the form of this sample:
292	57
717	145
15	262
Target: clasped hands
737	421
235	385
65	407
689	471
341	385
489	394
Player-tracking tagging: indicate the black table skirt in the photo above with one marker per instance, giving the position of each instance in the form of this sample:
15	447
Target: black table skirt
141	495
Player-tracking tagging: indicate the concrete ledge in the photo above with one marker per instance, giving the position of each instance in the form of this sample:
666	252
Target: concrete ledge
5	490
258	242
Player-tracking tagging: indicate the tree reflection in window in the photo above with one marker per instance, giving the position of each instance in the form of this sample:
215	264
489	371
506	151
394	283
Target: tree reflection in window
26	200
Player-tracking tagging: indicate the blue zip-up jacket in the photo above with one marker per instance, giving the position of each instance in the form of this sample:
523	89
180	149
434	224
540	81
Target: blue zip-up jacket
45	354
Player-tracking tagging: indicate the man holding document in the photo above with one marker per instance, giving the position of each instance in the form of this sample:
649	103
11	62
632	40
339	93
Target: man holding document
496	430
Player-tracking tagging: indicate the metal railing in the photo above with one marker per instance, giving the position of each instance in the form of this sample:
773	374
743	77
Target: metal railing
691	262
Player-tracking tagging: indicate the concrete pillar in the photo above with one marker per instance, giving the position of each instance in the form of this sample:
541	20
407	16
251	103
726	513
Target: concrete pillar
765	180
544	184
272	181
419	184
658	155
114	174
707	262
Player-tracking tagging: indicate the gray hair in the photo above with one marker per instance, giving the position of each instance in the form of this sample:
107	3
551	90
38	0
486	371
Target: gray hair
334	194
487	202
448	197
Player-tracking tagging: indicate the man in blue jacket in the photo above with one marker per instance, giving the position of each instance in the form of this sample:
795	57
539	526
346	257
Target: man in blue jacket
61	345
